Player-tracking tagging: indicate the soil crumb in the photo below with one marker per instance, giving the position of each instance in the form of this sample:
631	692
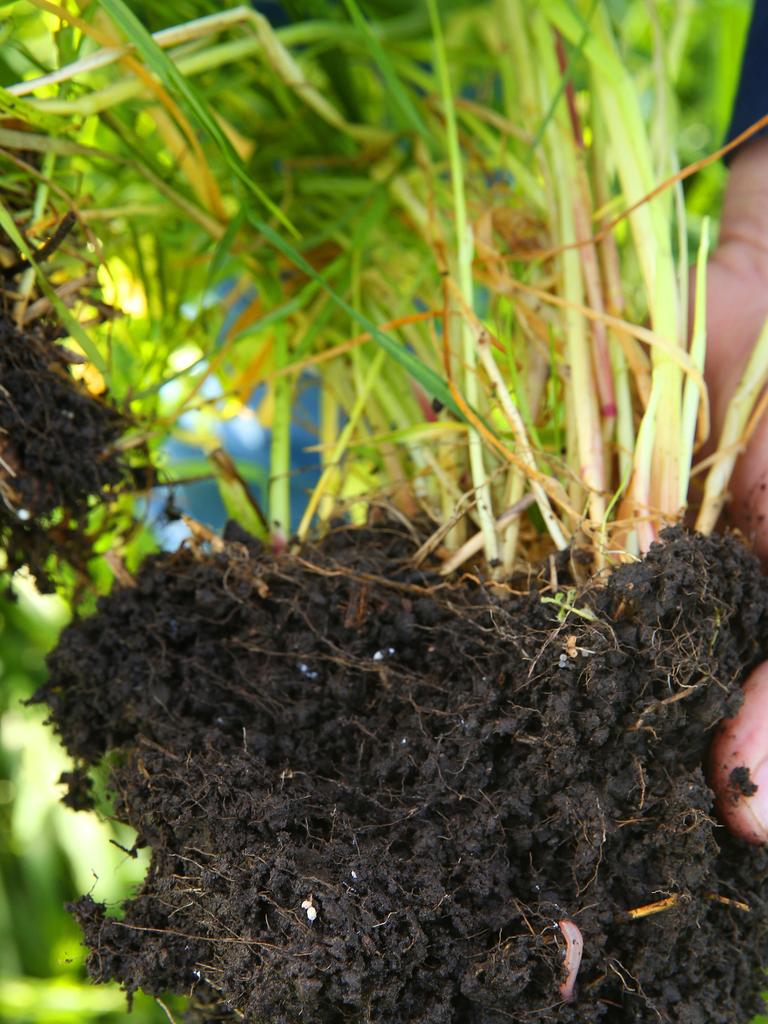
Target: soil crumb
740	782
57	452
372	796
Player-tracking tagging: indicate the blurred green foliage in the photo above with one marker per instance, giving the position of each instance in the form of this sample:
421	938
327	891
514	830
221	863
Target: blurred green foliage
49	854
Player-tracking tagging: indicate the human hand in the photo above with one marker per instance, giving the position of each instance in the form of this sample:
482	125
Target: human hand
737	307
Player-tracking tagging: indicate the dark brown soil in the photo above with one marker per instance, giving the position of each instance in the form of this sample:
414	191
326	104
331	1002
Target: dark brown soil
57	454
441	774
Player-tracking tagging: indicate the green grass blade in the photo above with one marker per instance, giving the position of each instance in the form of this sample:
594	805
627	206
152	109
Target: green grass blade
280	450
565	79
402	102
176	82
73	327
223	250
573	26
236	495
14	107
432	382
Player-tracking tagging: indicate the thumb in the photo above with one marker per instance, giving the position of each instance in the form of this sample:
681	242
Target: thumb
738	763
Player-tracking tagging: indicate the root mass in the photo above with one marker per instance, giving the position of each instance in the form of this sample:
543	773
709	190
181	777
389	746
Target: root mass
371	796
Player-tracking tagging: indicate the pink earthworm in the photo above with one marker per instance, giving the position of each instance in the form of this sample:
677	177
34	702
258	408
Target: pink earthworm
574	946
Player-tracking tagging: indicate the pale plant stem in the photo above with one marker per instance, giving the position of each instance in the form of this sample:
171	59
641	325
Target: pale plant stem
520	70
677	37
517	426
505	284
329	432
384	410
591	270
528	387
645	532
177	34
625	428
510	534
464	255
343	438
280	448
474	545
585	404
530	104
583	217
697	351
402	191
656	485
129	88
574	482
520	89
614	299
664	130
543	486
421	456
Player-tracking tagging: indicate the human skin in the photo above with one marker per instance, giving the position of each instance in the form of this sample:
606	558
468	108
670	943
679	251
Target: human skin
737	307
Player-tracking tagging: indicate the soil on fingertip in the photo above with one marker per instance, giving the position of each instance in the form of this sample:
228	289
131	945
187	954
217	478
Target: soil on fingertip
371	796
57	452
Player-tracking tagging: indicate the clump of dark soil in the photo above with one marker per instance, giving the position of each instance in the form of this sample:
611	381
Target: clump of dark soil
372	797
57	453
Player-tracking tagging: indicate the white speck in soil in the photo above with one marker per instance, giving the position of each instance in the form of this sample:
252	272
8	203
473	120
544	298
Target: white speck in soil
386	653
307	671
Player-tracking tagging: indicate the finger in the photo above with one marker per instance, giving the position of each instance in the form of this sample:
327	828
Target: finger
749	491
737	306
732	332
738	765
